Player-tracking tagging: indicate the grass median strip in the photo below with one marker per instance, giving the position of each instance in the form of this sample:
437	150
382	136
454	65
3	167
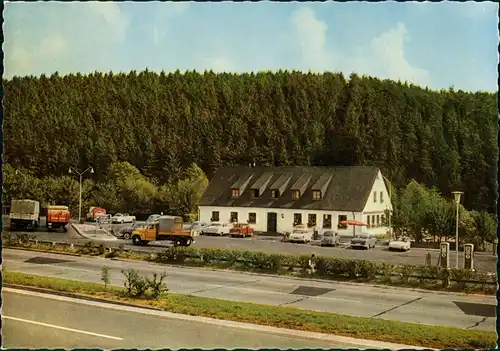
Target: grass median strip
282	317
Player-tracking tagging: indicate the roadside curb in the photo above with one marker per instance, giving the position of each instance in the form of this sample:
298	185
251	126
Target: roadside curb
78	232
240	325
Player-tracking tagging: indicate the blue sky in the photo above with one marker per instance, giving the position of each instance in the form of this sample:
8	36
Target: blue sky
430	44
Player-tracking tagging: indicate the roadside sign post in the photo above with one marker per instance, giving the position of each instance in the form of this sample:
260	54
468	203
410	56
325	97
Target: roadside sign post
469	257
428	259
445	255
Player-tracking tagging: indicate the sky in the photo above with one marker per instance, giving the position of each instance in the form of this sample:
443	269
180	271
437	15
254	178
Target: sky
438	45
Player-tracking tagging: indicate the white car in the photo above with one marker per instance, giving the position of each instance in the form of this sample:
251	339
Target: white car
403	244
122	218
216	228
301	234
199	225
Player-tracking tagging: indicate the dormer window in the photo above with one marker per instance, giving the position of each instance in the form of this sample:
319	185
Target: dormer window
316	195
255	192
235	192
295	194
275	194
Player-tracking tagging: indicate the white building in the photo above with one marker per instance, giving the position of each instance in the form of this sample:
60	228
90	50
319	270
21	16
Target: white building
273	199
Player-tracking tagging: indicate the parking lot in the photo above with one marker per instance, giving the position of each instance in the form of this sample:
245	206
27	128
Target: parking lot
273	244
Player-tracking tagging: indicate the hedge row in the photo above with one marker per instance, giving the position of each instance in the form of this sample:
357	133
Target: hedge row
332	267
324	267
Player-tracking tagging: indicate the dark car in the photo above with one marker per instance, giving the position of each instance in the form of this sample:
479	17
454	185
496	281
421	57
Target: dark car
126	232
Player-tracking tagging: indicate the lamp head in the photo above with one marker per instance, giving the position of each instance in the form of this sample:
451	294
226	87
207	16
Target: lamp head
69	170
457	195
92	170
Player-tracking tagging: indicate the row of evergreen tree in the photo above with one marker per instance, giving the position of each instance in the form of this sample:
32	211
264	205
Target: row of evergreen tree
162	123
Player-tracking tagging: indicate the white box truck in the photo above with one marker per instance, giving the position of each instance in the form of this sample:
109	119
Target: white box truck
24	215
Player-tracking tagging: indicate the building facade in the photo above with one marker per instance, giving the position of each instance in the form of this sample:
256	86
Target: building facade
274	199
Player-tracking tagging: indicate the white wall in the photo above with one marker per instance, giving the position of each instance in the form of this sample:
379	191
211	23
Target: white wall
378	207
285	217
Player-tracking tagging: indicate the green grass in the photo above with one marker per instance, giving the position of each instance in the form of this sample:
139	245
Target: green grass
282	317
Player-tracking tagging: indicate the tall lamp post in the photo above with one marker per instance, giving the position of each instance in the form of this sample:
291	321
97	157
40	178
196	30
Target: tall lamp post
71	170
457	195
390	201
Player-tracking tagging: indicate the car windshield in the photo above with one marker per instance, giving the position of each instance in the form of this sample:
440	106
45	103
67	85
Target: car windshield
328	234
362	236
299	231
215	224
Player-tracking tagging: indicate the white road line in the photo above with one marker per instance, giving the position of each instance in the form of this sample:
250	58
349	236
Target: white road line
62	328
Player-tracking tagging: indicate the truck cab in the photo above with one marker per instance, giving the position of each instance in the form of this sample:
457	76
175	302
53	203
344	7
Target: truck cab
168	228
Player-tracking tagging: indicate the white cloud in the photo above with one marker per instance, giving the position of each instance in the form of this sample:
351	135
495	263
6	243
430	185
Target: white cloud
63	38
384	56
311	36
388	54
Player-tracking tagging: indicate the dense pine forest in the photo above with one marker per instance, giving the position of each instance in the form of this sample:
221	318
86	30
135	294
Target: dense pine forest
163	123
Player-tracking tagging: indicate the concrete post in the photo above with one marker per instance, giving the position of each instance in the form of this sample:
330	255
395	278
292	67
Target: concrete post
428	259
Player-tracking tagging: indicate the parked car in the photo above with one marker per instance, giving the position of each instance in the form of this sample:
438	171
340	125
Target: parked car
104	219
241	229
122	218
403	244
126	233
216	228
364	240
198	225
152	218
330	238
301	233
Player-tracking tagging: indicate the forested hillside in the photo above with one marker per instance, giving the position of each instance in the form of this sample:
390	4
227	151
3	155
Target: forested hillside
162	123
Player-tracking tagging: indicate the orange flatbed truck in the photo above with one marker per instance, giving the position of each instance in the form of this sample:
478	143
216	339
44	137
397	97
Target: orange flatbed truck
57	217
168	228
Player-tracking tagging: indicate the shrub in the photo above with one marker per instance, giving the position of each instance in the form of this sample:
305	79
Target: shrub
105	277
157	286
135	284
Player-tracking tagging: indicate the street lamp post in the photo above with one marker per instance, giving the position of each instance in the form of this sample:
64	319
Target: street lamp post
71	170
390	202
457	195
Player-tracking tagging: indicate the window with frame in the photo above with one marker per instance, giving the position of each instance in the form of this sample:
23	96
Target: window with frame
234	217
235	192
381	196
341	219
316	195
327	221
368	220
275	194
252	217
311	220
374	196
383	221
215	216
297	219
255	193
295	194
378	220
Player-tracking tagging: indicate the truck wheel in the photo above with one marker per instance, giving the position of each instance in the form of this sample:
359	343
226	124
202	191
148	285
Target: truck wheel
126	236
65	228
177	243
136	240
188	242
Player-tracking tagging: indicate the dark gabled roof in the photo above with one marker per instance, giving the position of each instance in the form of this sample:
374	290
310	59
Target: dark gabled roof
262	181
300	183
347	190
242	181
322	183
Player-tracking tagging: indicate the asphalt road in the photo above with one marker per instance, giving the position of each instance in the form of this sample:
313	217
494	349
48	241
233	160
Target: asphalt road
433	308
483	261
38	322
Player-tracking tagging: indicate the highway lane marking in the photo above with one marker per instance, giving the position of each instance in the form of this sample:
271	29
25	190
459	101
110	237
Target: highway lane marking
62	328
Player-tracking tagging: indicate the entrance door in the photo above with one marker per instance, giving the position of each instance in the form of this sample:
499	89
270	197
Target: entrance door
272	222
